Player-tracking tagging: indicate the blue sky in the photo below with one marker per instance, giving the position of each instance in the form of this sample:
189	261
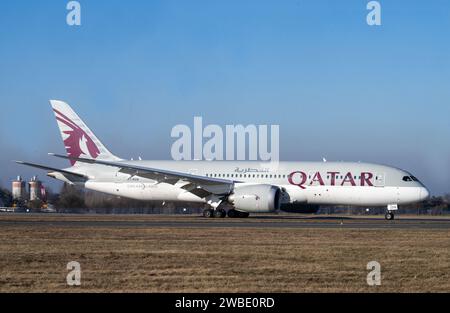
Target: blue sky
134	69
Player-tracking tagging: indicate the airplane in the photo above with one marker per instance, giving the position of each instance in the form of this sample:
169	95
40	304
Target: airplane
228	188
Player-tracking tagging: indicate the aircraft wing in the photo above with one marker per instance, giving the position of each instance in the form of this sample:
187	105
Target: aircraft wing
43	167
198	185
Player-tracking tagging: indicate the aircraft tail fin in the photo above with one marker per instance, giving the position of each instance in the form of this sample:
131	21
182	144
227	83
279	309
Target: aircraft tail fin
79	140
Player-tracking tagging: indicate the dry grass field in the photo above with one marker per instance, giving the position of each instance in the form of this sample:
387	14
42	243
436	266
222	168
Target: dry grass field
33	258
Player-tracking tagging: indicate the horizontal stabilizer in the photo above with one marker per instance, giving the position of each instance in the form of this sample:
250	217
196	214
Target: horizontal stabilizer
43	167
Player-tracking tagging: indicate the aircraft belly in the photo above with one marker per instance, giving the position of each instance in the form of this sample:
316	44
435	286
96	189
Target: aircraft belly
143	191
347	195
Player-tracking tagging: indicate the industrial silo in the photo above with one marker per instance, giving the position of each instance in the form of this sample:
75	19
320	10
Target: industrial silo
35	189
19	191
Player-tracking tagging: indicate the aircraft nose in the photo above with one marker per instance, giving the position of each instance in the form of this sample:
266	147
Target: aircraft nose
423	193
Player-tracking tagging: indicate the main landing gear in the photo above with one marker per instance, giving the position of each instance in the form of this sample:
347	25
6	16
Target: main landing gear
221	213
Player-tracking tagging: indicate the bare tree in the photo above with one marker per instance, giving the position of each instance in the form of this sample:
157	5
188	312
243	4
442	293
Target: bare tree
5	196
71	198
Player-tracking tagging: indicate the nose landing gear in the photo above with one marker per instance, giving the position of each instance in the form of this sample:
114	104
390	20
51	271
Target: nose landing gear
389	216
389	213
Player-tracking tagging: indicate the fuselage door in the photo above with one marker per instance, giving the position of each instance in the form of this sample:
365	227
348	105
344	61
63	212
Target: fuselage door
380	180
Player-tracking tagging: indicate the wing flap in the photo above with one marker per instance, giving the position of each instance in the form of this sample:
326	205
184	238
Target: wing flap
196	190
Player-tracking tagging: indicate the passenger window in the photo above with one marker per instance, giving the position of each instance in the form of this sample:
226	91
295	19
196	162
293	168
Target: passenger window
407	178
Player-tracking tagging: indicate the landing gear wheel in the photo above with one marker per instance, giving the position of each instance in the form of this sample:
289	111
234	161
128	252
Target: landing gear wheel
389	216
219	213
208	213
244	214
232	213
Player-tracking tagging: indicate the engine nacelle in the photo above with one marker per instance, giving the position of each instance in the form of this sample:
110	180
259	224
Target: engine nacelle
256	198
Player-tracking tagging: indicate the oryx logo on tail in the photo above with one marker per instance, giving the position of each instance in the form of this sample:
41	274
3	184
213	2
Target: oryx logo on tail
77	143
79	140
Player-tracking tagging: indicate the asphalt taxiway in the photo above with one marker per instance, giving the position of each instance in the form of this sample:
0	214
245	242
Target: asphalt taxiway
194	221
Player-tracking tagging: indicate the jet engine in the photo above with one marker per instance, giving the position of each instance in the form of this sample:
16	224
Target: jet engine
255	198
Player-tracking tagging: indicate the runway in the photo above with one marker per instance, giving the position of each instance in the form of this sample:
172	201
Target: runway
189	253
194	221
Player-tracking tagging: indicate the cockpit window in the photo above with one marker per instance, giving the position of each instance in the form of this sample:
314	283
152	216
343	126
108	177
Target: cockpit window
407	178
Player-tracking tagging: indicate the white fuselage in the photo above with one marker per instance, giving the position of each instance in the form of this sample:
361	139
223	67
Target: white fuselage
321	183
